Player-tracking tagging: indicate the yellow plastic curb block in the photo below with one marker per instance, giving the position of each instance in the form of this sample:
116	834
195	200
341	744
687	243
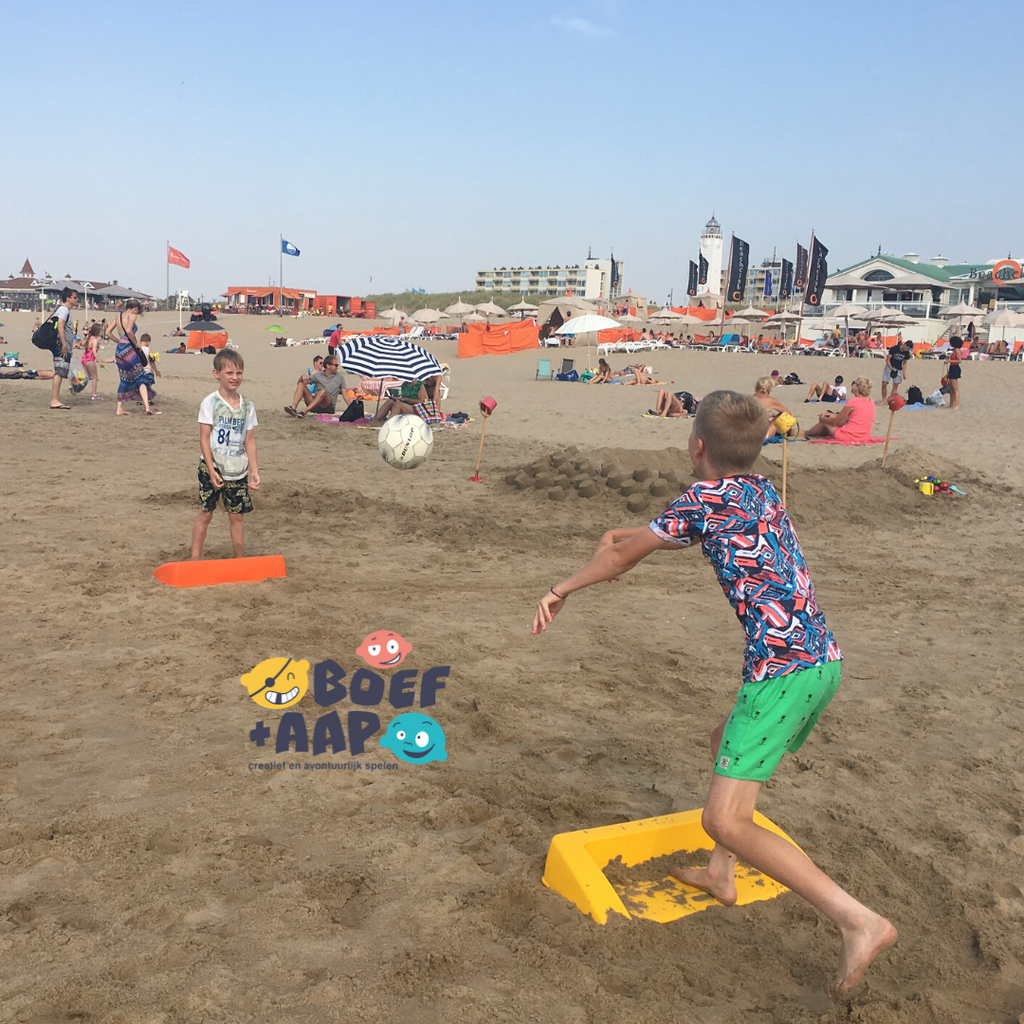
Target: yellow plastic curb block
576	860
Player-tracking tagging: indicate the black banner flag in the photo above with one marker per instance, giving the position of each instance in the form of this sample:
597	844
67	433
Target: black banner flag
817	272
702	275
738	270
691	285
786	280
801	266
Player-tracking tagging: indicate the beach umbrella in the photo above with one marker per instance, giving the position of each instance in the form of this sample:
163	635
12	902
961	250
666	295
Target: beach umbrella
1003	318
210	326
962	311
847	309
665	315
524	309
589	323
426	316
630	319
459	308
383	355
395	315
750	313
491	308
277	329
473	318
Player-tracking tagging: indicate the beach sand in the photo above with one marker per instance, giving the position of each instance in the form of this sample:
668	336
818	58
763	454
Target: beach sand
147	875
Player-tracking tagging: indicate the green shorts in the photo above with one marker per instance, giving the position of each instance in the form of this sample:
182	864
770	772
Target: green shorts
773	716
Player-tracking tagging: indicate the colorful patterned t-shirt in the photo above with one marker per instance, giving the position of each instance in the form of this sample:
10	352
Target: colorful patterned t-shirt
749	540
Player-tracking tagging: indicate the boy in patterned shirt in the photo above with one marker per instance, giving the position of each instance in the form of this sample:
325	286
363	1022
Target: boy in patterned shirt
791	669
228	465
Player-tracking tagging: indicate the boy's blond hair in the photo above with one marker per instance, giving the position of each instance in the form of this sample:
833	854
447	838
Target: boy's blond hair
732	427
228	355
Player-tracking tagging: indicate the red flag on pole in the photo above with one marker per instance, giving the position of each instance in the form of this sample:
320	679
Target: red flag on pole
179	259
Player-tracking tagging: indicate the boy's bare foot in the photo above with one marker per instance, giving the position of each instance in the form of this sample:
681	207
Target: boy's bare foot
860	947
720	884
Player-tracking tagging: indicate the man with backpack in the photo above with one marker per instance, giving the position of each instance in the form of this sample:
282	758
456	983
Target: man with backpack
64	344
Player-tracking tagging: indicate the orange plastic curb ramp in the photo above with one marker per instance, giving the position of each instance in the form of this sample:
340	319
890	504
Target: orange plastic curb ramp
221	570
576	861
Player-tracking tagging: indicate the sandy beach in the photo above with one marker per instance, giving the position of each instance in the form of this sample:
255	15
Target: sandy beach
148	875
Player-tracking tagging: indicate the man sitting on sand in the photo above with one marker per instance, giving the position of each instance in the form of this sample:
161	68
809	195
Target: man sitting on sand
329	386
835	392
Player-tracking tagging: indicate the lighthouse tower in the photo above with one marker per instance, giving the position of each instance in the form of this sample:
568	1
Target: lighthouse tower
711	250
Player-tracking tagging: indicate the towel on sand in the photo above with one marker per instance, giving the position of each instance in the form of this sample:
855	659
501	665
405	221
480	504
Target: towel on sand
849	444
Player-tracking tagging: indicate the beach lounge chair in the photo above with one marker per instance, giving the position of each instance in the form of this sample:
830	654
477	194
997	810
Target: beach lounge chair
544	369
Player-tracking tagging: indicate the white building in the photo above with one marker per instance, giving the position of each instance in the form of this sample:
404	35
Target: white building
596	279
711	250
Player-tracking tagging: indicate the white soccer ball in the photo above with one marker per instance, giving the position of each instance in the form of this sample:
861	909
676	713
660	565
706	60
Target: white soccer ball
405	441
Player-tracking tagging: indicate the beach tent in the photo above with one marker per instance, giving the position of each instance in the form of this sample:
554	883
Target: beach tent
498	339
206	339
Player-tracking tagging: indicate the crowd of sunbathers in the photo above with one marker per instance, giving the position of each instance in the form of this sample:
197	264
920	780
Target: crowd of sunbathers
321	389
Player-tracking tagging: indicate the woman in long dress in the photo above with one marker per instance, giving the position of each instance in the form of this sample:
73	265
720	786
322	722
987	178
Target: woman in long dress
134	385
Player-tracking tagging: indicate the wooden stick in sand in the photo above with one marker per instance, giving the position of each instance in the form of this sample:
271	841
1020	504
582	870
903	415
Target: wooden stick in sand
885	450
784	448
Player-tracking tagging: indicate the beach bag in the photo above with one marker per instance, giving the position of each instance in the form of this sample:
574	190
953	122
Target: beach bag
47	337
571	375
914	395
935	398
353	411
689	404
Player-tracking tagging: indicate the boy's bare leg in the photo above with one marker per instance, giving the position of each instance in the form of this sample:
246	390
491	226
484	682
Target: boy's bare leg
199	528
719	877
237	533
728	819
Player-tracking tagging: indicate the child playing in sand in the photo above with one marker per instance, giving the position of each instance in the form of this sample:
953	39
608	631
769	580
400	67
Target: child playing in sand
228	464
792	664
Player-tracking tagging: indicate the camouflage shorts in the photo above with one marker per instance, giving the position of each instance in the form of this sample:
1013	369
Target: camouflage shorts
235	493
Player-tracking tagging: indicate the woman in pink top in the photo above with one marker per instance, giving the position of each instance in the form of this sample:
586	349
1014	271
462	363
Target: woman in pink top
853	423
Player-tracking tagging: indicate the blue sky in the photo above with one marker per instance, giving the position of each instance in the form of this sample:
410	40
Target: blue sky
412	143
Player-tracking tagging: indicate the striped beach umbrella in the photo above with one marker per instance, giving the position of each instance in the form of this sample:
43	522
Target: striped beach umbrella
382	355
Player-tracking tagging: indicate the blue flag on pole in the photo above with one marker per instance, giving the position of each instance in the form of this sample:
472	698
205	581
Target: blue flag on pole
768	283
288	249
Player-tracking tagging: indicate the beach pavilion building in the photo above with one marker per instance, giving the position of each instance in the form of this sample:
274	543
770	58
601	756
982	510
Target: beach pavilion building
922	289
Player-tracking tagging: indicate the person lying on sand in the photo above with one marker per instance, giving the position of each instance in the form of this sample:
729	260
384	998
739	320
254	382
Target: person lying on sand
26	374
675	405
792	666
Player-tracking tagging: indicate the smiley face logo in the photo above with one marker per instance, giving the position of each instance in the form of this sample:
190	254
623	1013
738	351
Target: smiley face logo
277	682
384	649
415	739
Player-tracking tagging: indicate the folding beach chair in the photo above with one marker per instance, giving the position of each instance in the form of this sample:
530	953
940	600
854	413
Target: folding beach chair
567	365
544	369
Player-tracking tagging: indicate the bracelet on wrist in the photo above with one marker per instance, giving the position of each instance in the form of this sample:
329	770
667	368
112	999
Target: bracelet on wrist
559	596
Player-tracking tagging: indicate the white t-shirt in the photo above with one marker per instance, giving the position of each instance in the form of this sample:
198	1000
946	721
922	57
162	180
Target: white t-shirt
228	429
839	391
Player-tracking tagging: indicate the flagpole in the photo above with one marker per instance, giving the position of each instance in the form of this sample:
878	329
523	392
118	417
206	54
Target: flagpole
167	257
803	293
280	273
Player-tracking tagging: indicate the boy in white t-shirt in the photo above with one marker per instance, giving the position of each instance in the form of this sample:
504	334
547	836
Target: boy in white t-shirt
228	465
